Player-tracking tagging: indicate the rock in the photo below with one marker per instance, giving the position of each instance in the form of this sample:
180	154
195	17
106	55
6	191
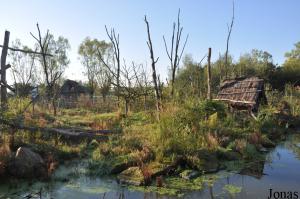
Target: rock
222	167
210	163
229	155
157	169
297	145
189	174
205	161
224	141
144	155
232	155
263	149
267	143
131	176
27	164
93	144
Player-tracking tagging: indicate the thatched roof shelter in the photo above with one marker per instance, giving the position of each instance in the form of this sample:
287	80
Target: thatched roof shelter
70	93
73	88
243	92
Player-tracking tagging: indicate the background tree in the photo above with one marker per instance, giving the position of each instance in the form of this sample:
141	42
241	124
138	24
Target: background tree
289	73
144	83
130	83
190	80
23	69
257	63
96	72
52	67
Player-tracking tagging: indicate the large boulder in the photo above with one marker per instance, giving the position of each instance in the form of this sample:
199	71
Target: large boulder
131	176
205	161
120	164
267	143
27	164
229	155
189	174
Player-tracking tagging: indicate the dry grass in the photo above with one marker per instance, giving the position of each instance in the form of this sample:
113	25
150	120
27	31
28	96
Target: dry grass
5	154
255	138
212	141
240	145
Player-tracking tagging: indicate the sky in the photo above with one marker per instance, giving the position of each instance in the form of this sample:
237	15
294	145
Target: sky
269	25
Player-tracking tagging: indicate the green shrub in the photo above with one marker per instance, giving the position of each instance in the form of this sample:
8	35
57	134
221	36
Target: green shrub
184	130
15	108
267	118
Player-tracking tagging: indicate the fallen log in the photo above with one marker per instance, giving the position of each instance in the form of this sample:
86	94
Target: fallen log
69	134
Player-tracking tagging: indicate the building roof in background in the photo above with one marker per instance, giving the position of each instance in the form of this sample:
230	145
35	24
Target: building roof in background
73	87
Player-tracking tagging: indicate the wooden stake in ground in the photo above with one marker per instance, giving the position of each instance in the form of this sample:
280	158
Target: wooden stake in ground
208	75
3	70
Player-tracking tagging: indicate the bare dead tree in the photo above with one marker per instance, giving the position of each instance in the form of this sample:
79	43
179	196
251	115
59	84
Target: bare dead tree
173	54
228	39
43	45
52	68
115	41
130	83
154	76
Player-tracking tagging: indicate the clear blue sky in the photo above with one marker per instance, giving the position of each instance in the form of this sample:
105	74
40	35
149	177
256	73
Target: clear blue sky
271	25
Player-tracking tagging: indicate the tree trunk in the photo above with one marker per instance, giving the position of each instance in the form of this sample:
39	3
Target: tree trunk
154	76
208	75
104	98
3	71
126	107
145	100
54	106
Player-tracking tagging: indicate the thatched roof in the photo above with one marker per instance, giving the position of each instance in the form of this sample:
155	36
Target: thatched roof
243	91
72	87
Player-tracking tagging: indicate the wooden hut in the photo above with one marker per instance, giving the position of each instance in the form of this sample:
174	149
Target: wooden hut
243	93
71	90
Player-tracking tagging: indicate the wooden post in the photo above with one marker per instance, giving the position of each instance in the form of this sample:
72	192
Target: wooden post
3	71
208	75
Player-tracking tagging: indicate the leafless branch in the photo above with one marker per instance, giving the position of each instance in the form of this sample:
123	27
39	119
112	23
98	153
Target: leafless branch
227	41
173	54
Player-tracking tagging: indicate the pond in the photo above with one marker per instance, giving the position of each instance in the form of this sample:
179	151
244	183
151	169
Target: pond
279	172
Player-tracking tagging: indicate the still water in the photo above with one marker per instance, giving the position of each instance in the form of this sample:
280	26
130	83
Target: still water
279	172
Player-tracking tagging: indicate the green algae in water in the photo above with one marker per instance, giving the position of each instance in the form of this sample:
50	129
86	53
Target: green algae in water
173	186
182	184
89	190
159	190
210	179
232	189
